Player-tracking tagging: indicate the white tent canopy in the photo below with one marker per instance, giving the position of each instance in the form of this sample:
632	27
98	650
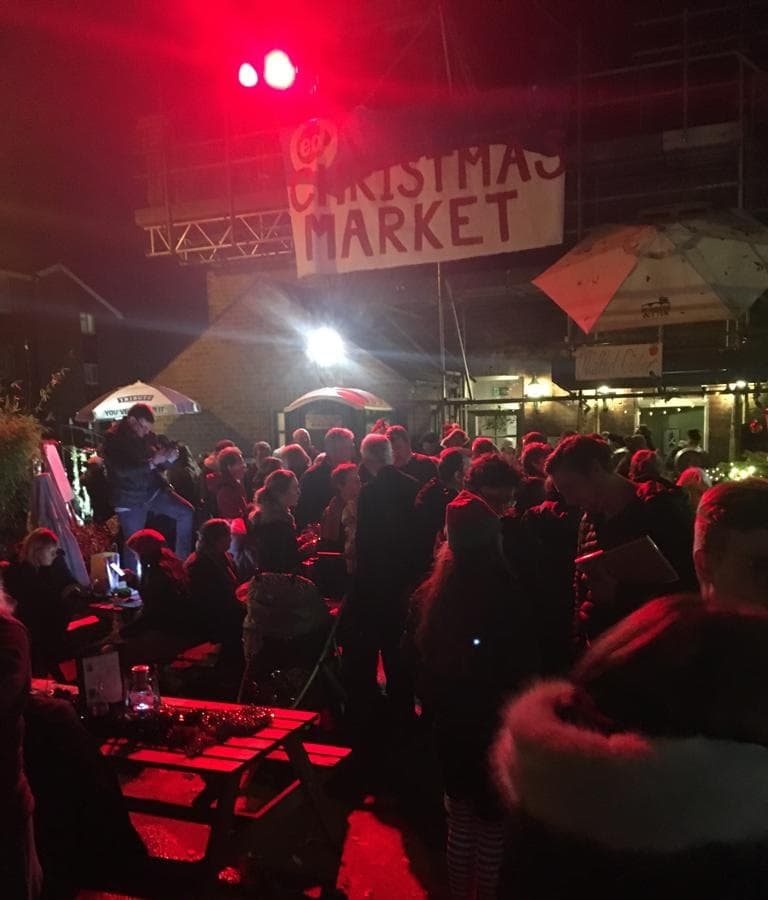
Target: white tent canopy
635	276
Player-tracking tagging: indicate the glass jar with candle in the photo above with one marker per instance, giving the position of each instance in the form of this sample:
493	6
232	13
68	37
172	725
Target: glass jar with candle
143	696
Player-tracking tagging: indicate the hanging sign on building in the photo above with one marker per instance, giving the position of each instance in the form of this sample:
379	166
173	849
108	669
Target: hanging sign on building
495	196
612	363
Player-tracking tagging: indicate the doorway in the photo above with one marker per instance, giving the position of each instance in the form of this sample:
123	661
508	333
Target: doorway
669	424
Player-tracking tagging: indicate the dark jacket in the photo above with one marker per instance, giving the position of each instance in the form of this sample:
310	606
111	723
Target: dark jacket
272	540
530	492
664	515
16	802
316	493
185	481
132	481
469	668
15	796
604	813
386	547
429	510
214	604
540	547
420	467
74	784
164	592
43	608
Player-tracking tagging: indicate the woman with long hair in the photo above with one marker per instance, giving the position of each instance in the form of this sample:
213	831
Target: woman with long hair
46	595
272	536
477	645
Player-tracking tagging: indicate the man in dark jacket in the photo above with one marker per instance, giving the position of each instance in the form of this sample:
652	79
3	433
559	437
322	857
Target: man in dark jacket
432	501
417	465
386	572
137	487
316	487
616	512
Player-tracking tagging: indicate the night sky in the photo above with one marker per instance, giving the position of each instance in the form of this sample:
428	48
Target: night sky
77	75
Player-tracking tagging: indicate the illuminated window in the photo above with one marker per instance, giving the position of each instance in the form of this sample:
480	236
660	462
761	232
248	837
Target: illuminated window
91	373
87	323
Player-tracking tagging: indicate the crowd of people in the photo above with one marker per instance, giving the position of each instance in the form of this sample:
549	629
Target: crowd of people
579	622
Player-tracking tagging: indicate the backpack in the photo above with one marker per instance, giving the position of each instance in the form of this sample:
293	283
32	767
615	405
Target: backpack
280	606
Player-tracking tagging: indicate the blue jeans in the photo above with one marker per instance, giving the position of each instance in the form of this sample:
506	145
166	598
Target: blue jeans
164	503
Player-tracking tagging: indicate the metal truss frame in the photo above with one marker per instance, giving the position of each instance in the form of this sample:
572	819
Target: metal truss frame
266	233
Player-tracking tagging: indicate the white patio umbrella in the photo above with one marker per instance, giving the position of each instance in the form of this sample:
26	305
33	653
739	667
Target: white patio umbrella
115	404
634	276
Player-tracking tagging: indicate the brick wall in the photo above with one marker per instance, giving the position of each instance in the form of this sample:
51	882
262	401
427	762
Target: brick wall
250	364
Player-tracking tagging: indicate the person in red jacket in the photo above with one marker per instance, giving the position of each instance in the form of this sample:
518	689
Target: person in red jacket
231	502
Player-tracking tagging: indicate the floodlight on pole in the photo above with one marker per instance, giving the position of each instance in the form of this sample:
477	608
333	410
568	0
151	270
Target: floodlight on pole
279	70
325	347
247	75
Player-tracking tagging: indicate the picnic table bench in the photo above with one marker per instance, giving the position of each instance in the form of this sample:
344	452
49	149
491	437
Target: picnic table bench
224	767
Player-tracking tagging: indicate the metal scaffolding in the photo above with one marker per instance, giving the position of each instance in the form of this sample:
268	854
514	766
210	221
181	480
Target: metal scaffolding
680	126
259	235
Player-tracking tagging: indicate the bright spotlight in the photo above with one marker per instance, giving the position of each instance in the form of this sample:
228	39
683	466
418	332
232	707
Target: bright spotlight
739	385
325	347
604	389
279	71
247	75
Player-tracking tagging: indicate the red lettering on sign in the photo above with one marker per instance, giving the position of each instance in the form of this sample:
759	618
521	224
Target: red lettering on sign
386	194
320	225
355	228
542	172
410	169
471	156
293	195
501	199
421	225
459	221
514	155
438	173
364	189
388	229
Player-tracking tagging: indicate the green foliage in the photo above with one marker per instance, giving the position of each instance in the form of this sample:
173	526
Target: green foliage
20	437
752	464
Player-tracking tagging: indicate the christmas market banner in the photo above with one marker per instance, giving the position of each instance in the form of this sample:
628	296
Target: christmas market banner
384	190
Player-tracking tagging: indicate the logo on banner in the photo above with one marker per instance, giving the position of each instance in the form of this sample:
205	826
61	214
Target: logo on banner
314	144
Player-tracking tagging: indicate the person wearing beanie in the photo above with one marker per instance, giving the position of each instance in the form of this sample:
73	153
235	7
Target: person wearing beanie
167	621
477	645
645	772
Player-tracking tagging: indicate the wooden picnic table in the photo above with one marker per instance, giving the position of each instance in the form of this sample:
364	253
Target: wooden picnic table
223	768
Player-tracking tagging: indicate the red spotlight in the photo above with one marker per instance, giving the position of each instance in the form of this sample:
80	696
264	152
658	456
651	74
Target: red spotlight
279	71
247	75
